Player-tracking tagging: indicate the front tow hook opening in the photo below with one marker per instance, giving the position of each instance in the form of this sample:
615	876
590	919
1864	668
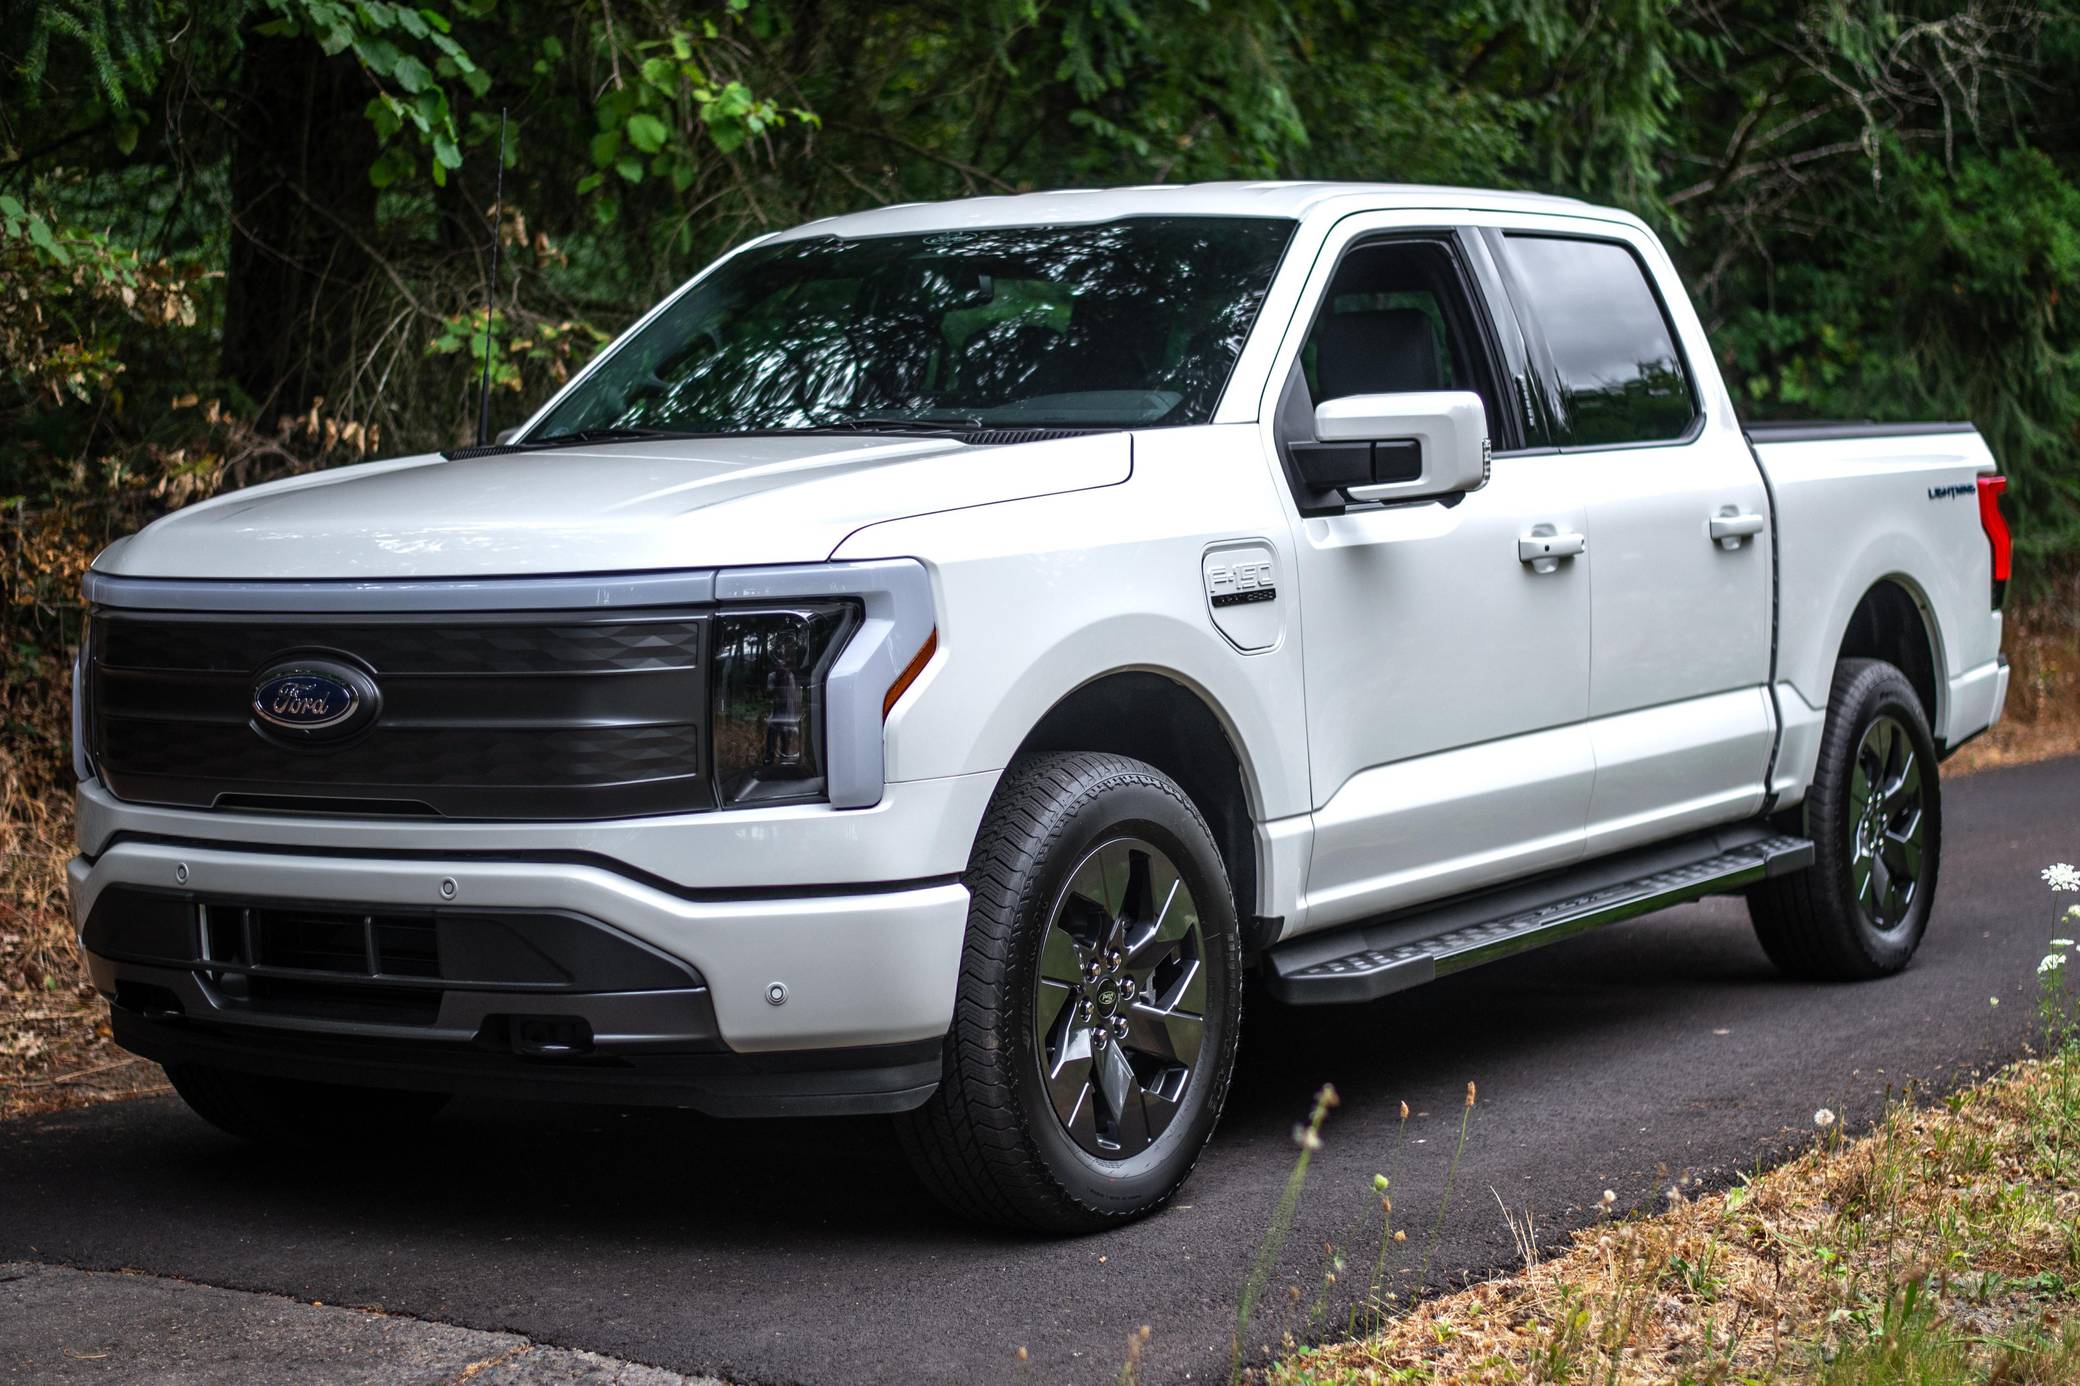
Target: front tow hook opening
545	1036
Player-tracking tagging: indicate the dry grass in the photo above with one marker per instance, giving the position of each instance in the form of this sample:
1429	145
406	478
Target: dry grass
2043	715
55	1050
1953	1232
1943	1247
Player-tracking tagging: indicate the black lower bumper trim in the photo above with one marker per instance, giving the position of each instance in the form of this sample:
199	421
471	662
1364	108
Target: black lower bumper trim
843	1082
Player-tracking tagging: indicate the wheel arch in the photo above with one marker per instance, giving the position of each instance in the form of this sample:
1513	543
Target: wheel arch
1158	717
1894	621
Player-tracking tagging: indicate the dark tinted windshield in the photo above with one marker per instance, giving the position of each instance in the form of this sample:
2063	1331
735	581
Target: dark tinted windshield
1120	324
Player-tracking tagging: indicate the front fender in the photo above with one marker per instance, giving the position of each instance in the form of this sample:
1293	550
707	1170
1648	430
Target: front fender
1040	597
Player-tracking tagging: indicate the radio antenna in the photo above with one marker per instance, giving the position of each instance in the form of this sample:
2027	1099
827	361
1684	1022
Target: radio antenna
498	211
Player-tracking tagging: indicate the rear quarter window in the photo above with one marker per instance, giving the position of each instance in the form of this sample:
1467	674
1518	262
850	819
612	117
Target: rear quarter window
1620	375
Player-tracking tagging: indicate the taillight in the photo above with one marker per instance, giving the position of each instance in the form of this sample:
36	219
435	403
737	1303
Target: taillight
1996	526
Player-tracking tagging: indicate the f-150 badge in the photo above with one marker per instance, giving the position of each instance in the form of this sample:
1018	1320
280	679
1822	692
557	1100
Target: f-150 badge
1246	580
1242	593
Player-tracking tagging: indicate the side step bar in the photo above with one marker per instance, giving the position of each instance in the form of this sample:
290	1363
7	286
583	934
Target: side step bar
1366	961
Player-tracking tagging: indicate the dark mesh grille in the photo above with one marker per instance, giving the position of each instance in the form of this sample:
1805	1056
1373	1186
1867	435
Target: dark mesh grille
409	648
401	760
311	942
543	716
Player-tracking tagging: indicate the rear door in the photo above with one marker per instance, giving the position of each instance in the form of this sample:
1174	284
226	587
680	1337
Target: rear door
1679	544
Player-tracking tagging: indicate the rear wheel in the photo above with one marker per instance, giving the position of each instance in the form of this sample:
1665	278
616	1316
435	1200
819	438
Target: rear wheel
1100	995
1874	812
289	1111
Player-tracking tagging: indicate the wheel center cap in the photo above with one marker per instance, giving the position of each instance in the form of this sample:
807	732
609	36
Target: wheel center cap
1105	996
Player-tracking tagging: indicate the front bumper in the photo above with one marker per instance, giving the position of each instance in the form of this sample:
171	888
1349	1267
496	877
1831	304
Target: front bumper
825	1082
920	830
848	981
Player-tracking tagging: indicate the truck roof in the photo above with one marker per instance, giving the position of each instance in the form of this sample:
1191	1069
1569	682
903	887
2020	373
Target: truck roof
1261	199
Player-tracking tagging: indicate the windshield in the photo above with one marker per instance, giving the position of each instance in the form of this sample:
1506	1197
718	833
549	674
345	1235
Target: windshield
1120	324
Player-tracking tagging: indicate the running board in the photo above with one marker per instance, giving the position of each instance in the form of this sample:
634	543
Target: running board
1371	960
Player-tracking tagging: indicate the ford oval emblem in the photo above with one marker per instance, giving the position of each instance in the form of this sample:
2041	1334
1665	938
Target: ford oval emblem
313	698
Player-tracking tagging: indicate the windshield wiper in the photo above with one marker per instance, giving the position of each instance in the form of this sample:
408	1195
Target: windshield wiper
879	423
579	438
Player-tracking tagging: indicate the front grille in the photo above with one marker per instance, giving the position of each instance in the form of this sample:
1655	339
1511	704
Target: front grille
443	646
545	715
379	964
317	943
326	964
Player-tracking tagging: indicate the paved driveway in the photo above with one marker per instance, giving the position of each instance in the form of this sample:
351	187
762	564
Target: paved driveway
1658	1052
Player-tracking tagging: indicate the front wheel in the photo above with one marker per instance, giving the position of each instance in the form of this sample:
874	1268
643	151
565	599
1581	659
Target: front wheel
1875	814
1100	996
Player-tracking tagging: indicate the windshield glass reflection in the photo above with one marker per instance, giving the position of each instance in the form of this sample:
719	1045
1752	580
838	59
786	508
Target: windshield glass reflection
1121	324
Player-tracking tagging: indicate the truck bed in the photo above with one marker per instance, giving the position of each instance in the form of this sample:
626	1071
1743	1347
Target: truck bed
1862	506
1836	430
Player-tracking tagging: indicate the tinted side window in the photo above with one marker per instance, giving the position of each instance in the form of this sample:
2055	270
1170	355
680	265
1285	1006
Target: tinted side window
1621	377
1396	318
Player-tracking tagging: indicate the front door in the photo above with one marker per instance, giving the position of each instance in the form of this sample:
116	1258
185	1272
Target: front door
1447	677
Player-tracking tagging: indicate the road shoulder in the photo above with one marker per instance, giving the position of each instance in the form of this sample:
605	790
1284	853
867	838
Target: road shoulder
58	1324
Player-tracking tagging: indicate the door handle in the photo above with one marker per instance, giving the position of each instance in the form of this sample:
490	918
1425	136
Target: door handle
1730	527
1545	546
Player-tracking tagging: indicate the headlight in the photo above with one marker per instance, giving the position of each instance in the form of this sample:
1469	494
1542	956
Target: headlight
766	679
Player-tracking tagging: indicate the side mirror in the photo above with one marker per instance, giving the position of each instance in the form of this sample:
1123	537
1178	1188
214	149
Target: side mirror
1421	445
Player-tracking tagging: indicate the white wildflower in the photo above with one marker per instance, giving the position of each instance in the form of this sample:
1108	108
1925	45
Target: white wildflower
1993	1000
1823	1118
2062	875
2052	963
2061	943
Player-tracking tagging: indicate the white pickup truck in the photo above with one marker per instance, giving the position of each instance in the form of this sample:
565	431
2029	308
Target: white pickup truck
927	662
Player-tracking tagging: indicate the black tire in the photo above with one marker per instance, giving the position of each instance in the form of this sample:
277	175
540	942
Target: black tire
990	1143
1820	922
291	1112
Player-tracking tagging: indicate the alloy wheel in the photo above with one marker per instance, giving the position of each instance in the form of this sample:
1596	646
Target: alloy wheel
1887	823
1119	1013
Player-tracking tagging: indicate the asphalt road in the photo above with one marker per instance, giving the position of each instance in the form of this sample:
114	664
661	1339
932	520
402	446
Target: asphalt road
1660	1052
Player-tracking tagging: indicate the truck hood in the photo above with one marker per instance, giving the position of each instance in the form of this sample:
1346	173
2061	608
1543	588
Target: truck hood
624	507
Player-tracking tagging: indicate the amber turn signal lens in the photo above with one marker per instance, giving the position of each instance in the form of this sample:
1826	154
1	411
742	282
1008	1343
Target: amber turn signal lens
910	672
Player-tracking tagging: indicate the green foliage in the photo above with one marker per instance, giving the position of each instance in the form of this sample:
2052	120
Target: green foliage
410	57
555	346
71	304
19	223
1877	204
1943	299
667	112
112	35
